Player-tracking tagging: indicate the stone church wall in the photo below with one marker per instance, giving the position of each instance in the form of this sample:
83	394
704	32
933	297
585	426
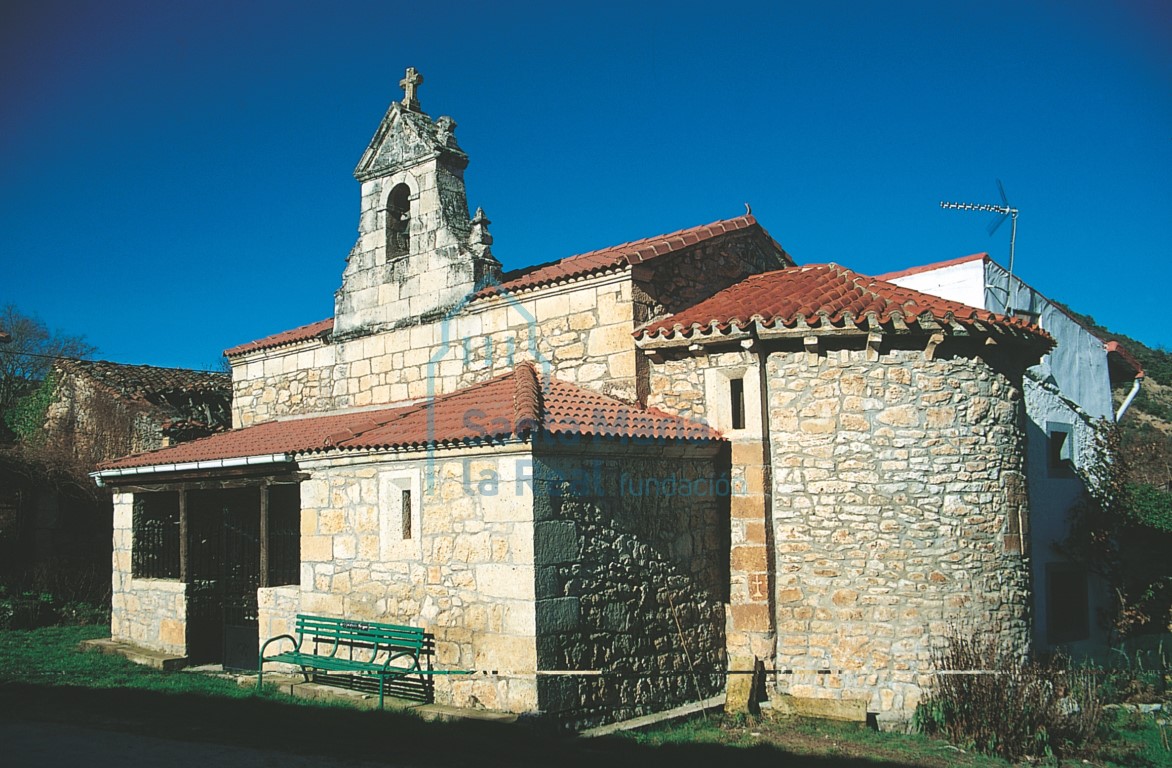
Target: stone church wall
688	277
898	509
286	381
580	332
629	541
465	574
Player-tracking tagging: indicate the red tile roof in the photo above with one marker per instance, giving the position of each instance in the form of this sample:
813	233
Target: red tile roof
514	404
320	329
616	256
889	276
822	296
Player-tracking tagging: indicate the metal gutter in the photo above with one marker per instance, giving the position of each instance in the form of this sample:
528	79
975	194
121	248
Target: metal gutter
244	461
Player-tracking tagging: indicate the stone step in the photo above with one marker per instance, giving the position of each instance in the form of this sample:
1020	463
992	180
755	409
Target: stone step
138	655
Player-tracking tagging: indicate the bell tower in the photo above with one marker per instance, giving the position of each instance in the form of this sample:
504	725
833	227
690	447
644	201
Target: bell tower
418	254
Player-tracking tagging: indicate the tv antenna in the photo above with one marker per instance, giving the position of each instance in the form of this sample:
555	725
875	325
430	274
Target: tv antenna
1007	212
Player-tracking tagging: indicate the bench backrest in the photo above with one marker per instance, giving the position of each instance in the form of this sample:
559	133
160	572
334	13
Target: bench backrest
350	632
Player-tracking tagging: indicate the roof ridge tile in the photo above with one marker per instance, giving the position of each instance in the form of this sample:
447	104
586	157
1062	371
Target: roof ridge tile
527	405
633	252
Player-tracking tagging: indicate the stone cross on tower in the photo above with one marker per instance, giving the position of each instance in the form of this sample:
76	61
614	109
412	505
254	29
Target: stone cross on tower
409	84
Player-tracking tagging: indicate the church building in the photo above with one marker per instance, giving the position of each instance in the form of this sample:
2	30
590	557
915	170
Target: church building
607	485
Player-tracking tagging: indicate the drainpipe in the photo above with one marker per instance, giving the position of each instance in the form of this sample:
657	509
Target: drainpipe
767	489
1130	396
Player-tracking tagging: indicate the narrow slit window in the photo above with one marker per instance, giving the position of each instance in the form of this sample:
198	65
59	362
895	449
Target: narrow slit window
406	512
736	391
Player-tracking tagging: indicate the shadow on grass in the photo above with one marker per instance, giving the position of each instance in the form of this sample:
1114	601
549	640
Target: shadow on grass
263	723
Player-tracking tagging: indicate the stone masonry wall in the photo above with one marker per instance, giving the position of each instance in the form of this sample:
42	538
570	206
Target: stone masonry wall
898	506
629	541
698	386
287	381
465	574
691	276
95	424
581	333
151	613
277	609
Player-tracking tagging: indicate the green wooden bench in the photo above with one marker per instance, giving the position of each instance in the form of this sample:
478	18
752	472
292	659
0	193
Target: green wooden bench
340	646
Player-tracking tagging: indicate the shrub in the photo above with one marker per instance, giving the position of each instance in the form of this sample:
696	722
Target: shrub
29	609
25	610
991	699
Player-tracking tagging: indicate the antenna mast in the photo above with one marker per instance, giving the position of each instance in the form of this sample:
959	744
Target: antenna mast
1007	212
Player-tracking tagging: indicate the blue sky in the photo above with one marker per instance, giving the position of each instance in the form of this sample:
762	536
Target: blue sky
175	178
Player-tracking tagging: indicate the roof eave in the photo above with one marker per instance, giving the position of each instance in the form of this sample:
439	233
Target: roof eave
102	475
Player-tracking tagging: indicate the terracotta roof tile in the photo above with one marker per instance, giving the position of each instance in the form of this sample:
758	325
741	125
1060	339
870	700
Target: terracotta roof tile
320	329
822	296
514	404
635	252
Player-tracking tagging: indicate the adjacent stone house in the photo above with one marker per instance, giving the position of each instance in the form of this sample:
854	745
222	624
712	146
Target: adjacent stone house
602	482
51	524
102	410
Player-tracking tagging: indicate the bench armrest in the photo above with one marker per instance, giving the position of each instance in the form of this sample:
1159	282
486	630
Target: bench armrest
404	670
271	640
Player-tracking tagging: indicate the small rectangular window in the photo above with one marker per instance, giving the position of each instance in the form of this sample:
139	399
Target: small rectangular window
1060	449
736	388
405	512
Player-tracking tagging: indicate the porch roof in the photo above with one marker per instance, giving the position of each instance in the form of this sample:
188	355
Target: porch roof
516	404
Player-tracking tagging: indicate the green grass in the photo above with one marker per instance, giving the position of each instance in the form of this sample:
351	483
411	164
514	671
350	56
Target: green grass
1136	739
1128	741
816	738
43	676
50	656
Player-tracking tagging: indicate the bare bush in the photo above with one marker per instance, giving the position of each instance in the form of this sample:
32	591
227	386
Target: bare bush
993	700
